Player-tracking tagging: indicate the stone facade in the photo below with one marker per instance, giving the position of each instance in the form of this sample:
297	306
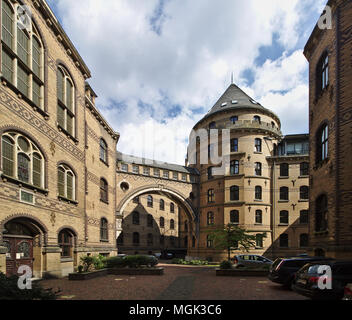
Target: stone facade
330	71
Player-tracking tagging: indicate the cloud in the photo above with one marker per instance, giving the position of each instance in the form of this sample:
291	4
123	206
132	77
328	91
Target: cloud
158	63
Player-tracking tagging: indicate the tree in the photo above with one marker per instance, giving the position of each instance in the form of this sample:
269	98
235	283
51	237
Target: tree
230	236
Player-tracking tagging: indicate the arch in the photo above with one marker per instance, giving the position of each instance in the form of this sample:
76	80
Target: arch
157	188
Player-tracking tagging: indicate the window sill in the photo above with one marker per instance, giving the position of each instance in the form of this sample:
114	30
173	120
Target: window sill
104	241
66	259
258	152
258	200
303	200
303	177
104	201
101	160
283	224
21	184
69	135
283	201
68	200
284	177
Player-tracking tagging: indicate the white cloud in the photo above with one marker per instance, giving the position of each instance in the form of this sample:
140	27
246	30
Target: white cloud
189	64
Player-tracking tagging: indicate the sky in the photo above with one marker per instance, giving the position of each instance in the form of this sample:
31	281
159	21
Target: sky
158	66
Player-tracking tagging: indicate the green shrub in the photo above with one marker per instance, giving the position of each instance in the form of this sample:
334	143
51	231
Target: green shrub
9	290
225	265
192	262
80	268
116	262
88	263
135	261
99	262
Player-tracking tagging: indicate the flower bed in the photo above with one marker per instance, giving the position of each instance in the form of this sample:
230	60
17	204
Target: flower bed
87	275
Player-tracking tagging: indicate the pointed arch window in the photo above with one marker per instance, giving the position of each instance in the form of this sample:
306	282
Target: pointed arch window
172	224
172	207
150	201
162	205
22	159
66	182
22	56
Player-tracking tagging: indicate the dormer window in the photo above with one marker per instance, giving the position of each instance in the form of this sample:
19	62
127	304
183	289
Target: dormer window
224	104
234	102
212	125
256	119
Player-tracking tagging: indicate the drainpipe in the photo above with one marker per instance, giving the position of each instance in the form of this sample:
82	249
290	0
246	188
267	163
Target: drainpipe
273	209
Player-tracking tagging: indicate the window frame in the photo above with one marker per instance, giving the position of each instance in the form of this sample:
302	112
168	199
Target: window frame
104	229
234	193
104	190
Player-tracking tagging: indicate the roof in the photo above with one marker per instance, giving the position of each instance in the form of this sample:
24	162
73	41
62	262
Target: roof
303	136
233	99
155	164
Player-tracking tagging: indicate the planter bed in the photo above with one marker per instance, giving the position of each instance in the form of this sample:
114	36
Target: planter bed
242	273
87	275
137	271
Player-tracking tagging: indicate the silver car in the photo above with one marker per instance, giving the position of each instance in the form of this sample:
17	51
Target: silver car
250	260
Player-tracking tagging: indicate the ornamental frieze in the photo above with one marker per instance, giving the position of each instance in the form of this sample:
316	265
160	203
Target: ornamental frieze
96	223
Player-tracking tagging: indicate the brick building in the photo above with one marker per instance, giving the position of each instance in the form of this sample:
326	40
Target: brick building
330	112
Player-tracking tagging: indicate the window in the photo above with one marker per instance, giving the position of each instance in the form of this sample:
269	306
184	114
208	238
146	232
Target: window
234	217
304	193
175	175
103	151
210	218
65	243
258	169
135	169
234	145
135	218
66	182
284	217
124	167
322	144
284	170
21	159
210	242
284	240
258	145
258	193
104	234
234	193
184	177
150	221
234	167
234	119
104	190
259	241
136	200
135	238
66	101
258	217
304	169
150	201
212	125
146	171
172	207
22	63
210	173
256	119
166	174
304	217
322	73
321	210
162	222
162	205
303	240
156	172
284	194
211	196
150	239
172	224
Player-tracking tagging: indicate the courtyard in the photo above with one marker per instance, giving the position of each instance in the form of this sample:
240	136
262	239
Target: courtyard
177	283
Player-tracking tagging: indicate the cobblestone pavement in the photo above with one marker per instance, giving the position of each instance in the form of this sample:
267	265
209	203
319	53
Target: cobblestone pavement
178	283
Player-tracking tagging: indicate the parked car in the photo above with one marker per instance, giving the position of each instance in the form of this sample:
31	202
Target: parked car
283	269
307	278
348	292
250	260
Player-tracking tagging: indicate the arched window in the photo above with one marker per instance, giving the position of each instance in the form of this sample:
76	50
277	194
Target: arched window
104	234
66	182
65	241
135	218
304	193
22	159
258	169
234	217
321	211
211	196
162	222
103	151
150	201
210	242
258	217
258	193
284	193
22	56
256	119
234	119
150	221
322	144
162	205
284	170
150	239
210	218
104	190
322	73
135	238
258	145
304	169
234	193
66	101
303	240
284	218
172	207
172	224
283	240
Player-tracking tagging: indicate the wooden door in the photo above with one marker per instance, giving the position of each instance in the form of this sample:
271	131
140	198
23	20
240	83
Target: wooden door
20	252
